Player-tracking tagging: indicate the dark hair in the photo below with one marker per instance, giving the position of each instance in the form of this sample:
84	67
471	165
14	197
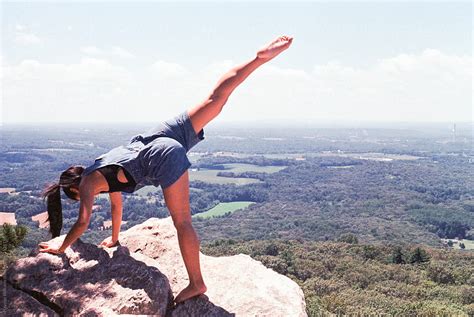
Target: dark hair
52	194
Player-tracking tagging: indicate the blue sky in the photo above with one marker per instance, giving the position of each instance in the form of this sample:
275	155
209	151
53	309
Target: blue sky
331	39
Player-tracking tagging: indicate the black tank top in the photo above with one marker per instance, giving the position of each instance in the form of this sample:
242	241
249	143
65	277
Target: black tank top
110	174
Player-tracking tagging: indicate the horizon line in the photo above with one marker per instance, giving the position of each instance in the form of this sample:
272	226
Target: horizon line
244	122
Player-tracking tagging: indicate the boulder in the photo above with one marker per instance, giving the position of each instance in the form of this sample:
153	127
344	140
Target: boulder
142	275
93	280
238	283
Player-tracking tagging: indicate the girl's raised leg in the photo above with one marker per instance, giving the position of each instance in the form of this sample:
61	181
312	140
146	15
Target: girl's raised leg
203	113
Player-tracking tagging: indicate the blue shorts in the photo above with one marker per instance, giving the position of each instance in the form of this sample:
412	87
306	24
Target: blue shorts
163	149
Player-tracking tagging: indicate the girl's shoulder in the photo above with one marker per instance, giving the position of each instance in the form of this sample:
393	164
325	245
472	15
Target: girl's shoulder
91	180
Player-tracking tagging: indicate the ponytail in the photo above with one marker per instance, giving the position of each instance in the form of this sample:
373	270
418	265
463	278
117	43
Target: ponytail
52	194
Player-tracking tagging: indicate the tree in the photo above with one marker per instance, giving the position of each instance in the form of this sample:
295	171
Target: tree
11	237
462	246
370	252
348	238
419	256
397	256
271	249
440	274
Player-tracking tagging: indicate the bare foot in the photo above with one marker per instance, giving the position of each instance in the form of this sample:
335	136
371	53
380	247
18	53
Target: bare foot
275	47
190	291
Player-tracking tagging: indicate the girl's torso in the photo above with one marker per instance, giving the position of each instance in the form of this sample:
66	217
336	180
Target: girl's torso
117	178
157	157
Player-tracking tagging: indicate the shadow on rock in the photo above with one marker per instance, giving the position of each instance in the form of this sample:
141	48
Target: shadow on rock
199	306
87	278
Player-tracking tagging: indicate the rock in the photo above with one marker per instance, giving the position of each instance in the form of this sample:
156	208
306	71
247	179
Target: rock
142	275
238	284
90	279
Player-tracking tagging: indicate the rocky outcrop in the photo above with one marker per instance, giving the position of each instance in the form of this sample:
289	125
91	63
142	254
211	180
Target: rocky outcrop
90	279
141	276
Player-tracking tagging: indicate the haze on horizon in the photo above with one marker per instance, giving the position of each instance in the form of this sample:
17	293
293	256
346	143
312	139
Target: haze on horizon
132	62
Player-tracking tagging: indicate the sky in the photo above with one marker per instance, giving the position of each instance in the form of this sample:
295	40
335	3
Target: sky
132	61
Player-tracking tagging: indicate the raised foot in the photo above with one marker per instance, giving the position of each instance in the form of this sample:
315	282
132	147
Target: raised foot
275	47
190	291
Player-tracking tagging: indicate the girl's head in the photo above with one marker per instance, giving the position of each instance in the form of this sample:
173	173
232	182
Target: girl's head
69	181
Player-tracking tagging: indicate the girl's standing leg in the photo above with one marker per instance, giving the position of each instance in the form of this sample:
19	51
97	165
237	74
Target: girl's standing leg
177	195
177	200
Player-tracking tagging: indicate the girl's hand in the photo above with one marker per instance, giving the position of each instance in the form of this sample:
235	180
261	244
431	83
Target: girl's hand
108	243
274	48
46	247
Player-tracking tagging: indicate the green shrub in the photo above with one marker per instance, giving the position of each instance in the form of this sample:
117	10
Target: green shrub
11	237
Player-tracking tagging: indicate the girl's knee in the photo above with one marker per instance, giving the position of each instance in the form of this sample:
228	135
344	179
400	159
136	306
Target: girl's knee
183	224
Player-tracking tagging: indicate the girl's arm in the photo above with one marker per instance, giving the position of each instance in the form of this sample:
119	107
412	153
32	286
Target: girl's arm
116	207
116	210
86	195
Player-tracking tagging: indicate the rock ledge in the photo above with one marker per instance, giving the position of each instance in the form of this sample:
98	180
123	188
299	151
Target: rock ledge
141	277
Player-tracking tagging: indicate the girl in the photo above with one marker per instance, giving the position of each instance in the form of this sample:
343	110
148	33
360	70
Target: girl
157	158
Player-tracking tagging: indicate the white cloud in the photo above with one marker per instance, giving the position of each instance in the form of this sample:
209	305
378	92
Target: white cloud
428	86
169	69
114	51
92	50
87	70
20	27
84	91
120	52
26	38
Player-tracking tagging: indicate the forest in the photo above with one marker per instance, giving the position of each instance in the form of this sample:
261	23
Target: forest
344	278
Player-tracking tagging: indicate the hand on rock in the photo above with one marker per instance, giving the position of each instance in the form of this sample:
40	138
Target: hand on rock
49	248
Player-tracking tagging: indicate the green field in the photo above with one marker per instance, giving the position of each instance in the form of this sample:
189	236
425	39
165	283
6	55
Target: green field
210	175
242	167
144	191
222	208
469	244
